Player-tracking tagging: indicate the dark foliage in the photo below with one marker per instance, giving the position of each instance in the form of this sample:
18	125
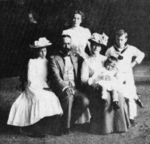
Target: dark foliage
17	32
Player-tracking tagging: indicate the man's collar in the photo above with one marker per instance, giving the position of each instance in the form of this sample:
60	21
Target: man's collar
70	54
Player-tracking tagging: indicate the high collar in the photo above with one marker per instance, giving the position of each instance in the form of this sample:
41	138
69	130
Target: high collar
76	28
63	55
121	50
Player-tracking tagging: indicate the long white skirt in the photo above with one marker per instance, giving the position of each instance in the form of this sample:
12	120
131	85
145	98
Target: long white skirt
33	105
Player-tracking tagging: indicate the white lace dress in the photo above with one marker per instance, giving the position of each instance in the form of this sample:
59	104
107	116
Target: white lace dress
34	103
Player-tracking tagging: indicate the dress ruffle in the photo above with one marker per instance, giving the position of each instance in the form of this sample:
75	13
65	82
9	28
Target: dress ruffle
26	111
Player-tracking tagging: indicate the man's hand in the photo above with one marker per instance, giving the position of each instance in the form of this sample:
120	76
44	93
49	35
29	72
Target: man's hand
69	91
96	86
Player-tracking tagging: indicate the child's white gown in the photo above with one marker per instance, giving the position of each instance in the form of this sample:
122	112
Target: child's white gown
34	103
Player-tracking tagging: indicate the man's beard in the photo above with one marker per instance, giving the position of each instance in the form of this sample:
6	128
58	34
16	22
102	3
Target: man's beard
66	52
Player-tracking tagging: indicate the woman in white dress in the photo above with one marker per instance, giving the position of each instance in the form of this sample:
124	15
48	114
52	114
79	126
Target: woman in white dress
37	101
105	118
79	34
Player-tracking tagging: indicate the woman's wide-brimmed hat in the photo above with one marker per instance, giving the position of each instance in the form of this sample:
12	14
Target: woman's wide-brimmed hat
40	43
101	39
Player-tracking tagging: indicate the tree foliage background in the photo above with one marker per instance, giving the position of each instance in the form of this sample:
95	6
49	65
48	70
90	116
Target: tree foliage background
55	15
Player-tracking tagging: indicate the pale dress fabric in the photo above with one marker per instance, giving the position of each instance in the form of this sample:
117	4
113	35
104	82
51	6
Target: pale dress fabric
107	79
90	61
79	36
91	65
125	67
34	103
106	119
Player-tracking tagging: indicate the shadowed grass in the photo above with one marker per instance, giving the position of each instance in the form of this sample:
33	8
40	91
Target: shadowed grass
139	134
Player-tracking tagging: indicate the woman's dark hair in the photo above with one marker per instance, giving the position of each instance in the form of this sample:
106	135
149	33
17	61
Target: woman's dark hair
35	53
80	13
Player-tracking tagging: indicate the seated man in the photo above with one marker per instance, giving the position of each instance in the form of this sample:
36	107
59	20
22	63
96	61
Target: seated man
65	82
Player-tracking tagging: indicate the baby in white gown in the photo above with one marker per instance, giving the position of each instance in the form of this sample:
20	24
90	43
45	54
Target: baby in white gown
106	77
35	102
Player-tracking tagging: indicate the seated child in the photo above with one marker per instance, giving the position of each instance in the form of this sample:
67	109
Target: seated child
106	78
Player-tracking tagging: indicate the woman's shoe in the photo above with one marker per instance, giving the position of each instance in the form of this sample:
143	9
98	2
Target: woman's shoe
32	133
116	105
37	135
132	122
24	131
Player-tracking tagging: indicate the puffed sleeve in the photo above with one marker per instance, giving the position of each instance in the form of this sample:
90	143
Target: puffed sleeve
88	33
66	32
63	32
109	52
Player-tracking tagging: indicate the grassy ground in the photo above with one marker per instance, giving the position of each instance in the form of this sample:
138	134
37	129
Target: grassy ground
139	134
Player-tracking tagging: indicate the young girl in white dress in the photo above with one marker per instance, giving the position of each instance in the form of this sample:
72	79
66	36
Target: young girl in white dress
37	101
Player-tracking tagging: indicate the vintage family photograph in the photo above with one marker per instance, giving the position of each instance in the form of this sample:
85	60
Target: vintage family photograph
74	72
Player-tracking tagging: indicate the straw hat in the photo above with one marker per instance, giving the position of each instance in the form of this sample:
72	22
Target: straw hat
101	39
40	43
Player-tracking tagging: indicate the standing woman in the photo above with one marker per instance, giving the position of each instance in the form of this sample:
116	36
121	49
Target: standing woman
79	34
37	101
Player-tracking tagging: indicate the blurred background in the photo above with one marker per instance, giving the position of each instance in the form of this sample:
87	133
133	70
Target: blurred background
23	21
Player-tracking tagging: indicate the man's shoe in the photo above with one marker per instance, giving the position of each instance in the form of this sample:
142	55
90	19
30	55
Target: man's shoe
139	103
132	122
65	131
116	105
58	133
105	102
